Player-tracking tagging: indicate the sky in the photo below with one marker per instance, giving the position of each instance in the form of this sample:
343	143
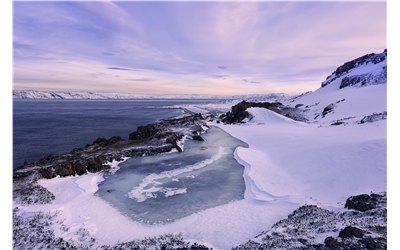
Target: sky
188	47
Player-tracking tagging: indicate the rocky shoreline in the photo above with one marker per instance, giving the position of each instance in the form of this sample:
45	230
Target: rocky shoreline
160	137
150	139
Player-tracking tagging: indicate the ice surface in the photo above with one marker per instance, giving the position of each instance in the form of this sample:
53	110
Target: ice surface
166	187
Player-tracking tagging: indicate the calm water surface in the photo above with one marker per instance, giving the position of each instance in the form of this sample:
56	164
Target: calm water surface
42	127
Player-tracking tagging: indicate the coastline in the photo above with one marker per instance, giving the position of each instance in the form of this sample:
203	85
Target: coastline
272	191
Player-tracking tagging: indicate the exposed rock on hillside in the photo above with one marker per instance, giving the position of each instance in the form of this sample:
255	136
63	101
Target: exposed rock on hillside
374	117
360	79
312	227
238	112
365	79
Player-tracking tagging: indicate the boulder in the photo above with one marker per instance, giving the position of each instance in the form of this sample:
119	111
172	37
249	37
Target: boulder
198	138
351	232
143	132
362	202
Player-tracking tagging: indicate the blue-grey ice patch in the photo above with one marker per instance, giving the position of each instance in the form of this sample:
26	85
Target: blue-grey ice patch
152	183
166	187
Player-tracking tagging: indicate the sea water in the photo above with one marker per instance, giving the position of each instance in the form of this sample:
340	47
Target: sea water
169	186
42	127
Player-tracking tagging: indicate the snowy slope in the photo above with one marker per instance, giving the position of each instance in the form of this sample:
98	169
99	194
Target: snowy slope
332	102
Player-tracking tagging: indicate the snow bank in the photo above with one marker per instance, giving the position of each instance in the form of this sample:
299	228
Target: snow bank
328	163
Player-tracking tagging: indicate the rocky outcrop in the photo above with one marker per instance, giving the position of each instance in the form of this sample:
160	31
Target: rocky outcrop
374	117
328	109
143	132
147	140
238	112
348	229
351	232
365	79
362	202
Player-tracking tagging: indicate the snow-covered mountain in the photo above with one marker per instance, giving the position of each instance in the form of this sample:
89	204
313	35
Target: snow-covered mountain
370	69
34	94
355	90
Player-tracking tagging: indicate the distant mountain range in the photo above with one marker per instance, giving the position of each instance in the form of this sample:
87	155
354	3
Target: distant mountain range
34	94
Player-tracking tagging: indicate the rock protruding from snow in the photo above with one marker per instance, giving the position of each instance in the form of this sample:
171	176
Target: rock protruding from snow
239	111
362	202
313	227
370	69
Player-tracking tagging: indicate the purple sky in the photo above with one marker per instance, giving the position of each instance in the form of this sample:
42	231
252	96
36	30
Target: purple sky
190	47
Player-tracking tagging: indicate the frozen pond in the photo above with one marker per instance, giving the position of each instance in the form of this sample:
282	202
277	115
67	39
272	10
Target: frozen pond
166	187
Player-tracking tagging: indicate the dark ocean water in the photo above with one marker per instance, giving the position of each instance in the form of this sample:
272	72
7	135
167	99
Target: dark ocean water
42	127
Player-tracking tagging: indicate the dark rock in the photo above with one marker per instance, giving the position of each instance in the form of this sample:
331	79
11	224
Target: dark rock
362	202
303	241
100	141
366	59
75	150
178	148
21	174
364	79
374	243
351	232
143	132
238	112
198	138
48	172
374	117
332	243
114	140
95	165
80	167
299	105
47	158
328	109
64	169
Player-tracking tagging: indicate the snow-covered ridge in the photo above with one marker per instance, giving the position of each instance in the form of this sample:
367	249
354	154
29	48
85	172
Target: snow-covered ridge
35	94
354	91
370	69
